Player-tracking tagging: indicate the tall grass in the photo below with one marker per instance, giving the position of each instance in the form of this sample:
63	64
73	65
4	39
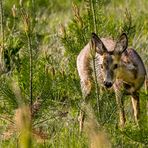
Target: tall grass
51	89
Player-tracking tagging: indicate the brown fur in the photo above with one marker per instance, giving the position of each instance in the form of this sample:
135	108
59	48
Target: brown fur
117	66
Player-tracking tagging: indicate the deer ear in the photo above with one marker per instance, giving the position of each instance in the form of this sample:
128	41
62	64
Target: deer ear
121	44
98	44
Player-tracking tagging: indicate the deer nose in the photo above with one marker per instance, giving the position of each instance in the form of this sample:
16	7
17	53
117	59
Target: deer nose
108	84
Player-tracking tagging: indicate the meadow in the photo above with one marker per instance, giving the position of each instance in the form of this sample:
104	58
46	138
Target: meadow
40	93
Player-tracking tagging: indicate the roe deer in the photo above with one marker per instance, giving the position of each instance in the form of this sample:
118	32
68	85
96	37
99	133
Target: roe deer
117	66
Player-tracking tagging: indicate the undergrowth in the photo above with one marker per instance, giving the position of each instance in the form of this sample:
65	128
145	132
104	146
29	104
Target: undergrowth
39	79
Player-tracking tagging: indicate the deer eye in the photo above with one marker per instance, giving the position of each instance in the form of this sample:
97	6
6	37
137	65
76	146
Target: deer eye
115	66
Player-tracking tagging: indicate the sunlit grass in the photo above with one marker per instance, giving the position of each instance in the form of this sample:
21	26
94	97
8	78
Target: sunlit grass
56	81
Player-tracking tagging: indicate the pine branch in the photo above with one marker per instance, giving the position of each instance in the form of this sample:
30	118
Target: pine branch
92	4
93	15
31	68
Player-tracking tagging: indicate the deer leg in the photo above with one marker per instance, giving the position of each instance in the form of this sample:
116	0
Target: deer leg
86	89
81	120
121	111
136	106
120	107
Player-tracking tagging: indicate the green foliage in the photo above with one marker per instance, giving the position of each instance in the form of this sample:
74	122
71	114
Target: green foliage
55	82
74	38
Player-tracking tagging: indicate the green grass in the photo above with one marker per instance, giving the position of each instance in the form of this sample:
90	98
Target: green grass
55	78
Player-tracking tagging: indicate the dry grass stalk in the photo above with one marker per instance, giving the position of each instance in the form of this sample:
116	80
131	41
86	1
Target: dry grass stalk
22	120
22	126
97	137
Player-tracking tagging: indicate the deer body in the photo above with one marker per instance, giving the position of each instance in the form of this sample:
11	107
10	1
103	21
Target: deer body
117	67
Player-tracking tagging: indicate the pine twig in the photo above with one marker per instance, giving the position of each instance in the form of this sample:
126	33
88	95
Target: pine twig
93	15
93	58
27	24
6	119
